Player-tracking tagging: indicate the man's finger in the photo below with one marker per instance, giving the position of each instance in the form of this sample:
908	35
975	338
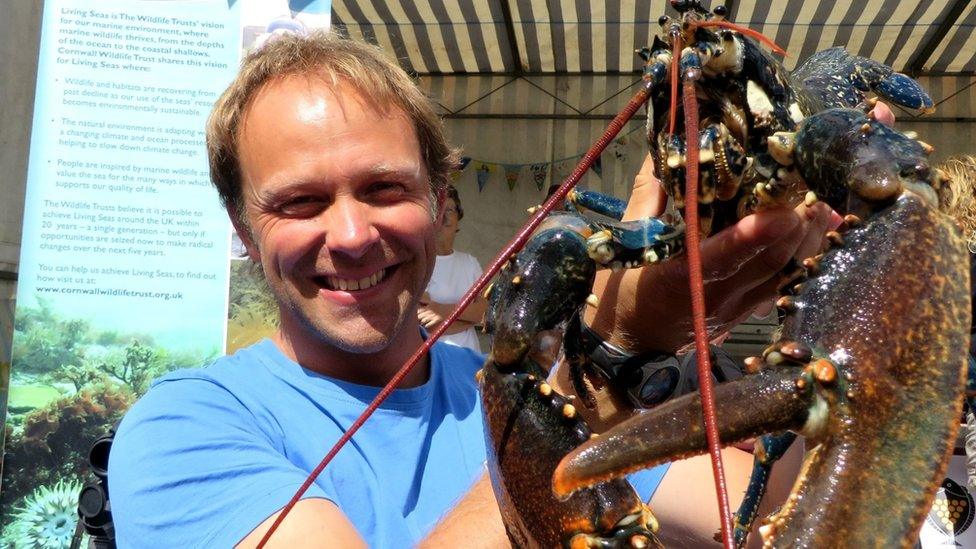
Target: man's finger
884	114
647	199
725	253
759	270
816	218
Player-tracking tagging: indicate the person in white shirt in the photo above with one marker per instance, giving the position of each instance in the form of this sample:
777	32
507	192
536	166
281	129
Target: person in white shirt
454	273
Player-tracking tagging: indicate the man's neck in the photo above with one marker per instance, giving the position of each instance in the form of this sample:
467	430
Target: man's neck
445	245
374	369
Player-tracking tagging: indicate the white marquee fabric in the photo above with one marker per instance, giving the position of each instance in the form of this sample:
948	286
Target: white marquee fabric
594	36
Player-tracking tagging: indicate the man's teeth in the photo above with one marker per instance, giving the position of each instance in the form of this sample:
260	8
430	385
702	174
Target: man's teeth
363	283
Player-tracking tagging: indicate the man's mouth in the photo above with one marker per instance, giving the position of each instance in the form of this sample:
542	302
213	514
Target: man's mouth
351	284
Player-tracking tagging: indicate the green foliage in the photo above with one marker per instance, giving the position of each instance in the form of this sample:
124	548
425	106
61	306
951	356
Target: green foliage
54	441
250	296
45	343
47	440
70	352
138	365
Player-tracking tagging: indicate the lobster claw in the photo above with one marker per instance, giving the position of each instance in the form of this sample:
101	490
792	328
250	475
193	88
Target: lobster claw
870	365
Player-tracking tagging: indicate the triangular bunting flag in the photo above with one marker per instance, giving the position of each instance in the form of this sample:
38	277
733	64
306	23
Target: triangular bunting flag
511	175
561	170
459	168
597	167
484	170
539	173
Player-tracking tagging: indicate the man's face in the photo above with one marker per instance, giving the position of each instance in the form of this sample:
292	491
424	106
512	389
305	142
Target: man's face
449	223
337	197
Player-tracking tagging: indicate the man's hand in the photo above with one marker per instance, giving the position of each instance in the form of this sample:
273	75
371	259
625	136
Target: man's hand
650	309
431	314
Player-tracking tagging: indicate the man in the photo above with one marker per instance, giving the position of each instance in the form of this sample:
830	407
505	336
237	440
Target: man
332	167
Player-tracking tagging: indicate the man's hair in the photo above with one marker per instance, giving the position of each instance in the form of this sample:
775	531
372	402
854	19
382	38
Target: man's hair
453	195
957	195
336	60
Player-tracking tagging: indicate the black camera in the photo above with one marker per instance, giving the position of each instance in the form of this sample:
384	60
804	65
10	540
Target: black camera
94	509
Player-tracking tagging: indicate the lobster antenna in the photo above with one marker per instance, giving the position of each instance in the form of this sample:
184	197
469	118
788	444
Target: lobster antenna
516	244
692	238
754	34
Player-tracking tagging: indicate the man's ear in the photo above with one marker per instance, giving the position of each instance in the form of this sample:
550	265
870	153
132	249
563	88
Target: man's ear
441	197
245	234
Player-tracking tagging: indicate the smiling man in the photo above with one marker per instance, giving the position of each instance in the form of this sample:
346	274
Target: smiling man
332	166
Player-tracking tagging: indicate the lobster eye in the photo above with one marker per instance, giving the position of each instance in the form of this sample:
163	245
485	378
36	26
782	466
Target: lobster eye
663	20
720	10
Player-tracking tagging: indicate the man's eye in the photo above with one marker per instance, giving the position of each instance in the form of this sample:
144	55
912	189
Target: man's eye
302	206
387	189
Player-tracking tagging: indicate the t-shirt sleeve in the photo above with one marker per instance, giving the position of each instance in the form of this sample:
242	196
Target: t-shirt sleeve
191	466
646	481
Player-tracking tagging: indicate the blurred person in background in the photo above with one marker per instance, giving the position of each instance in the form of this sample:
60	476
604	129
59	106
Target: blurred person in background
454	273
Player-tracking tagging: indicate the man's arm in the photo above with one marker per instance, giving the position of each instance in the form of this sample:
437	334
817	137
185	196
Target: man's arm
432	313
474	523
312	523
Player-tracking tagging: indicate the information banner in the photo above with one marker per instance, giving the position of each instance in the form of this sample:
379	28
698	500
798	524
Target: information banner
124	266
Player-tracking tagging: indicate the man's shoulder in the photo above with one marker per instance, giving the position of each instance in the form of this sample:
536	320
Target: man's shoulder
469	259
244	365
457	362
457	354
231	382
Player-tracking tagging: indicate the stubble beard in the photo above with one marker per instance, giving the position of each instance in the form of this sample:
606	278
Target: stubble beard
323	335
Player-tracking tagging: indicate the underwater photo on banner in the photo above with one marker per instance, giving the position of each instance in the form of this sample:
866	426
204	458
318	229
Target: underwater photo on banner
127	253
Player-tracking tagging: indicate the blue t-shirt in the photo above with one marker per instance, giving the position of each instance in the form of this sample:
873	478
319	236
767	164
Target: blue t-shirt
207	455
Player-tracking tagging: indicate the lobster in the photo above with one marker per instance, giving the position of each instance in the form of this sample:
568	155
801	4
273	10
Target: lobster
869	364
870	353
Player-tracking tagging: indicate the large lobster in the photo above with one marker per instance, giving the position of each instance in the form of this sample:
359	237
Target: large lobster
869	364
870	361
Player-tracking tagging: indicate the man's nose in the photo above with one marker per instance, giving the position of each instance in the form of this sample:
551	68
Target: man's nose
349	228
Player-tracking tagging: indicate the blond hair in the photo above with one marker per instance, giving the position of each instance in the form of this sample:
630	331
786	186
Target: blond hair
335	59
957	195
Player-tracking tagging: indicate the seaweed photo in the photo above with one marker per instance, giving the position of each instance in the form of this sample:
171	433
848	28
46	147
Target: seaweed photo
70	382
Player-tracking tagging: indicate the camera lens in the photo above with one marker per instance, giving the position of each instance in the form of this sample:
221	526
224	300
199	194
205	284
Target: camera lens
658	386
92	504
98	455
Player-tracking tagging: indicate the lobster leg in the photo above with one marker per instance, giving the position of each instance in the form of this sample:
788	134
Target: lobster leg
603	204
769	449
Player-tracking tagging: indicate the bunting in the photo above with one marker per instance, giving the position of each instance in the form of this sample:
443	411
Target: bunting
512	174
539	172
459	169
484	171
